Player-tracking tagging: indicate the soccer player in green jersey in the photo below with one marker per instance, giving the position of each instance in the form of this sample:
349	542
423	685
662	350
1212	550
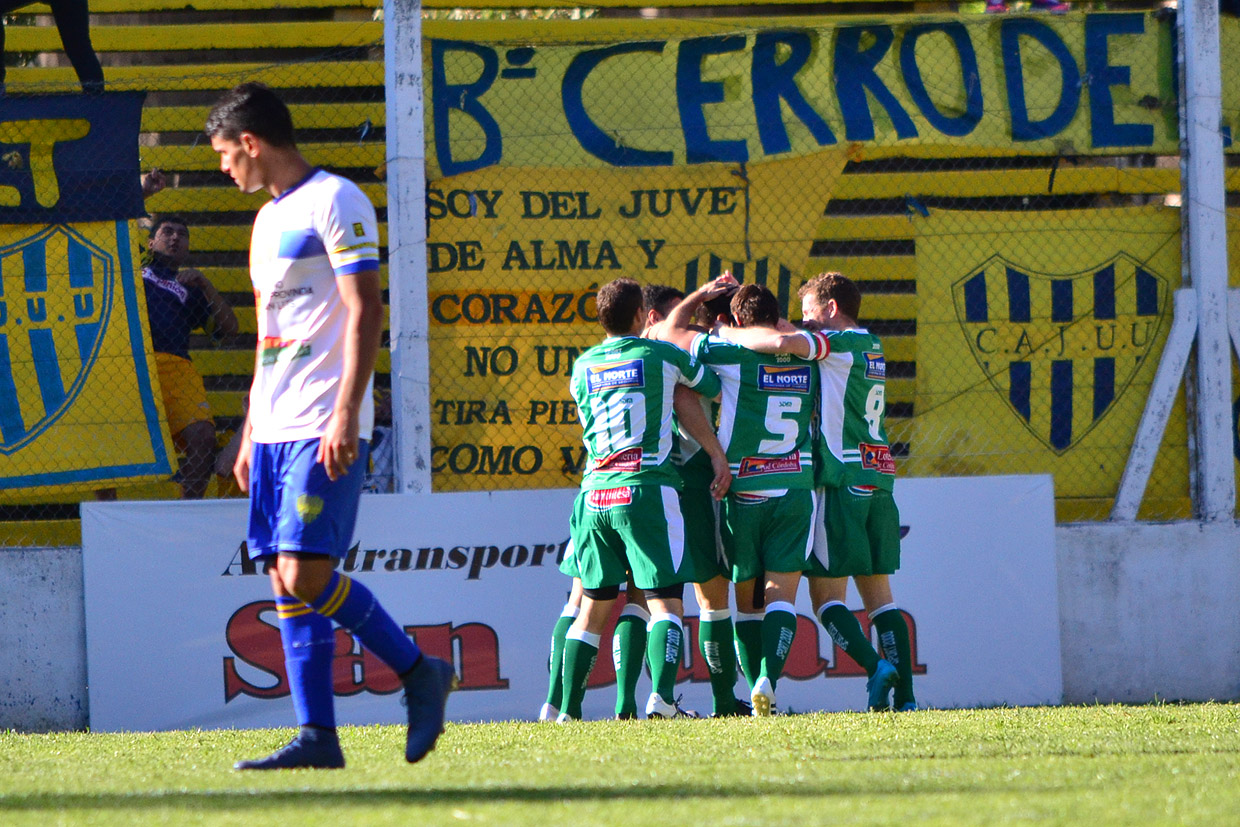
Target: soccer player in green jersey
860	532
627	516
698	505
766	521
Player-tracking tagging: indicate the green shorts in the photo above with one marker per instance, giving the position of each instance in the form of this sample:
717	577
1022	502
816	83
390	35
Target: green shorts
634	528
858	533
569	564
767	533
701	516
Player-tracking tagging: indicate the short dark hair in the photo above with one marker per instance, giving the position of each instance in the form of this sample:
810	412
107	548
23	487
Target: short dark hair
166	219
826	286
753	304
253	108
661	297
619	301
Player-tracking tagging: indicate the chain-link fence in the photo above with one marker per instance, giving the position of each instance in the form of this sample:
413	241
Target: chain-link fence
998	187
1001	187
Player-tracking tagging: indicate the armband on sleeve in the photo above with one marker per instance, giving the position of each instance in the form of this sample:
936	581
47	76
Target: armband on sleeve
819	345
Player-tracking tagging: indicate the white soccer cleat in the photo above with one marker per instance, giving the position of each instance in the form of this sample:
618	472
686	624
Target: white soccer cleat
656	707
548	713
763	698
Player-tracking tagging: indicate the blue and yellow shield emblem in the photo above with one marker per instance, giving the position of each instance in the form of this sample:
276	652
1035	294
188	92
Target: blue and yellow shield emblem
55	293
1061	348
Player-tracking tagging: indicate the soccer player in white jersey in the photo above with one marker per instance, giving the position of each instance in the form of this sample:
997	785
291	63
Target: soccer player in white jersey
314	263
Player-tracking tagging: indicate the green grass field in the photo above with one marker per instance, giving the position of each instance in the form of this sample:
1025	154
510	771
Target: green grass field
1164	764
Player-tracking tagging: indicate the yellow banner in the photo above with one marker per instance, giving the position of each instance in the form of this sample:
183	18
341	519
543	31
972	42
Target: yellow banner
1038	335
78	396
515	257
670	93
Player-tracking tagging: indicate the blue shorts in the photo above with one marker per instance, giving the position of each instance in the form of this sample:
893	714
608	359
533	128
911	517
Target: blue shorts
295	507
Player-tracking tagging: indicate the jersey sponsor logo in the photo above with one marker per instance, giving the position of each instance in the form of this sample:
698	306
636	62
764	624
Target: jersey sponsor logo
758	466
358	229
877	458
875	366
170	285
1061	348
275	350
605	498
790	379
630	459
628	373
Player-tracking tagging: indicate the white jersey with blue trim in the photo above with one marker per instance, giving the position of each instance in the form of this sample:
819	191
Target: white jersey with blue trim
319	230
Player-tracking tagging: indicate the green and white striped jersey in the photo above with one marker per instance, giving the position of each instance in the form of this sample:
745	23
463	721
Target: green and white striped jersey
764	415
852	444
623	389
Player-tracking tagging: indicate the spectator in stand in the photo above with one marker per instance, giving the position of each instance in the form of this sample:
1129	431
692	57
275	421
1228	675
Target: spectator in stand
73	22
179	300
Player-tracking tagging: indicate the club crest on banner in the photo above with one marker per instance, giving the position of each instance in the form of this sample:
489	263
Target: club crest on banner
51	327
1060	348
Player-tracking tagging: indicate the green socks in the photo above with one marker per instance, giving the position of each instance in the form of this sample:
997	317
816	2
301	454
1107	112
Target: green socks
580	652
748	634
715	644
665	639
628	653
555	682
779	627
842	625
893	639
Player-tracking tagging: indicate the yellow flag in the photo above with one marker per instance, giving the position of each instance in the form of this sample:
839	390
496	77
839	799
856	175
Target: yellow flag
1038	336
79	405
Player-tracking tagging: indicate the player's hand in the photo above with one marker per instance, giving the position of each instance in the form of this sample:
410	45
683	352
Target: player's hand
723	476
153	182
192	277
338	447
720	286
241	465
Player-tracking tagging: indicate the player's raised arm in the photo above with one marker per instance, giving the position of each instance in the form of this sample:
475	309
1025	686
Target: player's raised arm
678	328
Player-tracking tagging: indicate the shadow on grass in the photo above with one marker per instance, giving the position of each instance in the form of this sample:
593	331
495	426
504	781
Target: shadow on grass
258	799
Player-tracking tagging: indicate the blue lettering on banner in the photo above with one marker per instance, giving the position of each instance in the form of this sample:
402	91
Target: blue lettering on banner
794	379
693	93
869	79
463	97
591	136
612	375
970	80
855	75
1103	75
1023	129
774	82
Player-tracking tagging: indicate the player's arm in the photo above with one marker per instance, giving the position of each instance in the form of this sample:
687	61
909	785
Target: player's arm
678	327
803	343
363	299
241	465
692	420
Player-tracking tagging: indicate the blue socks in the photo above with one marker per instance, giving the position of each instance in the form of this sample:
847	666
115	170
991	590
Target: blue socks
354	607
309	645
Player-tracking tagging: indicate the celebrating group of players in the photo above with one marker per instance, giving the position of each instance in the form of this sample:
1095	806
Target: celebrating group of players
726	446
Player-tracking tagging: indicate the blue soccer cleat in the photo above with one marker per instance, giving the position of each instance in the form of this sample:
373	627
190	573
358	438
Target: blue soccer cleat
880	684
911	706
312	749
426	696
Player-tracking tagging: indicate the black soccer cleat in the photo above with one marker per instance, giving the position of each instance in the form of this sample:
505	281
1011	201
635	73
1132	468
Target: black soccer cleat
310	750
426	697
